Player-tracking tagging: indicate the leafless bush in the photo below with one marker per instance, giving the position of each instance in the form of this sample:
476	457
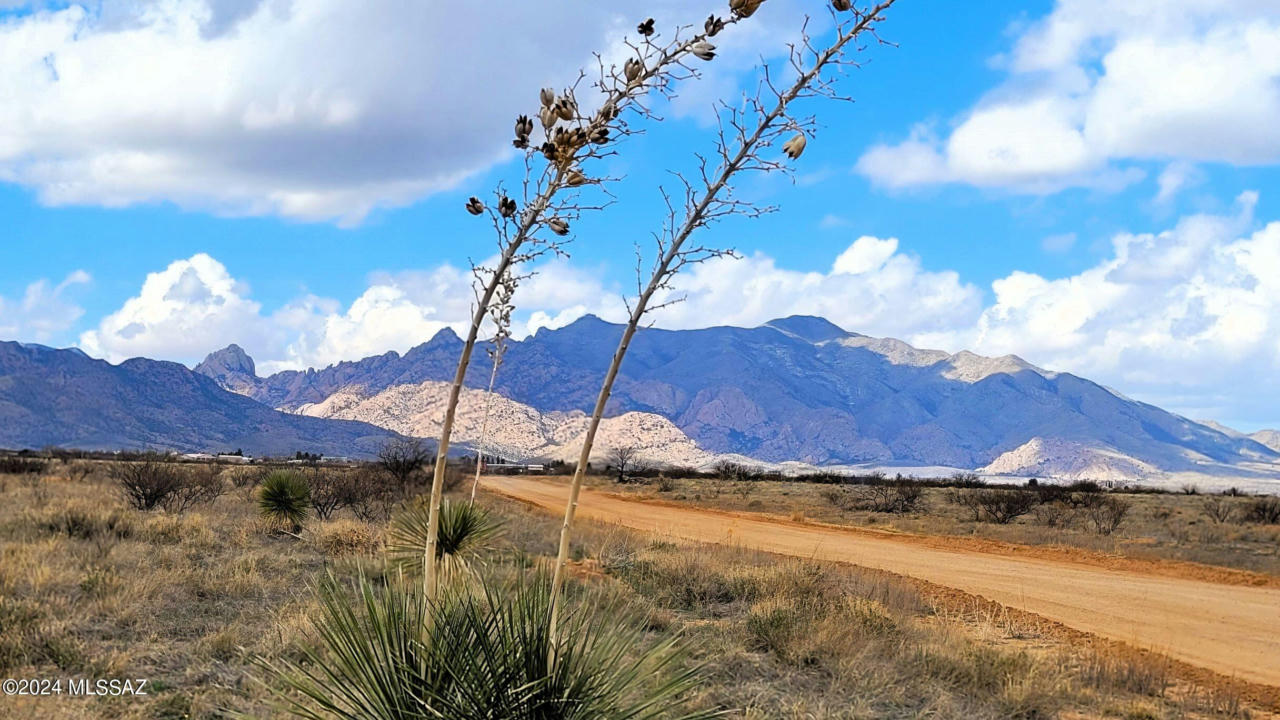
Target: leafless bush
1265	511
331	490
899	498
374	493
1054	514
665	484
1000	506
1106	516
196	486
78	471
1217	509
147	484
404	459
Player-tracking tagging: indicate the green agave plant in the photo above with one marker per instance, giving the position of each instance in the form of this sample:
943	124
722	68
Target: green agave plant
285	499
390	654
466	530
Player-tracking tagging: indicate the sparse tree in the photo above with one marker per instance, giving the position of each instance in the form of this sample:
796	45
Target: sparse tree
403	458
622	459
746	133
556	171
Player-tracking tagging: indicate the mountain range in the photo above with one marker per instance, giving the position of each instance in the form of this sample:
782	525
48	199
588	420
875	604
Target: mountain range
66	398
794	389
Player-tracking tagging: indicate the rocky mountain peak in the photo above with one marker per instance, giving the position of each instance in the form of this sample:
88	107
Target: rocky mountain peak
809	328
231	367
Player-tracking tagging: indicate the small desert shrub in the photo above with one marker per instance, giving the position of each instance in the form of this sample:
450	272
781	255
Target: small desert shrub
21	466
1217	509
348	537
466	529
148	484
1265	511
487	655
284	499
78	471
897	498
1106	516
665	484
1054	514
1000	506
197	486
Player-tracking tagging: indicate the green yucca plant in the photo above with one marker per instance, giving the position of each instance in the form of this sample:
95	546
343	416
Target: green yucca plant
389	654
284	499
466	529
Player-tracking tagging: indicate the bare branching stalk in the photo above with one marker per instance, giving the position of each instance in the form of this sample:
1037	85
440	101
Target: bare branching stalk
552	195
500	314
745	132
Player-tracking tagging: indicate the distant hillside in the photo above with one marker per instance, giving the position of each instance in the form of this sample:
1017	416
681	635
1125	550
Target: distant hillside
803	389
65	398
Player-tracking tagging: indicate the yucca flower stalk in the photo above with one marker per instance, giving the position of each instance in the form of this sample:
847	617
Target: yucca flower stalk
500	314
745	133
569	144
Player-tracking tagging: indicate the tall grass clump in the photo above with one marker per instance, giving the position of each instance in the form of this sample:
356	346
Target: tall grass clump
393	654
284	499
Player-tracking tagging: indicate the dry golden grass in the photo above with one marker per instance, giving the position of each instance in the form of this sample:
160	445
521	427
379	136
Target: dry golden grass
91	588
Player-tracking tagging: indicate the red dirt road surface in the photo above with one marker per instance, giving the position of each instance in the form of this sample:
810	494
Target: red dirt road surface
1230	629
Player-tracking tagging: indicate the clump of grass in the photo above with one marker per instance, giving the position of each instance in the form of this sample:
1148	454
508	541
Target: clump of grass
83	520
284	500
348	537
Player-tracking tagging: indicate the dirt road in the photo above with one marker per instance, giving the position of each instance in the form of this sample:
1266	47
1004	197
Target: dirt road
1230	629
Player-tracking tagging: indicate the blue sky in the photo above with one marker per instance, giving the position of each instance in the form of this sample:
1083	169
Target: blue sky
1093	195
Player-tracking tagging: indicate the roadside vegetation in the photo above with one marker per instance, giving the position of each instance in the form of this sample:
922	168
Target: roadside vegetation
223	612
1229	529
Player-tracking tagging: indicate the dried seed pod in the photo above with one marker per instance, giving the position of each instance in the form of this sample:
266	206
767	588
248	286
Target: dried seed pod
548	117
573	178
795	146
549	151
645	28
521	142
744	8
633	69
566	108
703	50
558	226
600	135
713	26
607	112
474	206
506	207
547	96
524	126
842	5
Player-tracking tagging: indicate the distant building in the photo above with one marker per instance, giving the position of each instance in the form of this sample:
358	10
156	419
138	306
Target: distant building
237	459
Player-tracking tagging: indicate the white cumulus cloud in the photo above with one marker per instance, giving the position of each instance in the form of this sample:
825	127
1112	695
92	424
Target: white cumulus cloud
1097	85
316	110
